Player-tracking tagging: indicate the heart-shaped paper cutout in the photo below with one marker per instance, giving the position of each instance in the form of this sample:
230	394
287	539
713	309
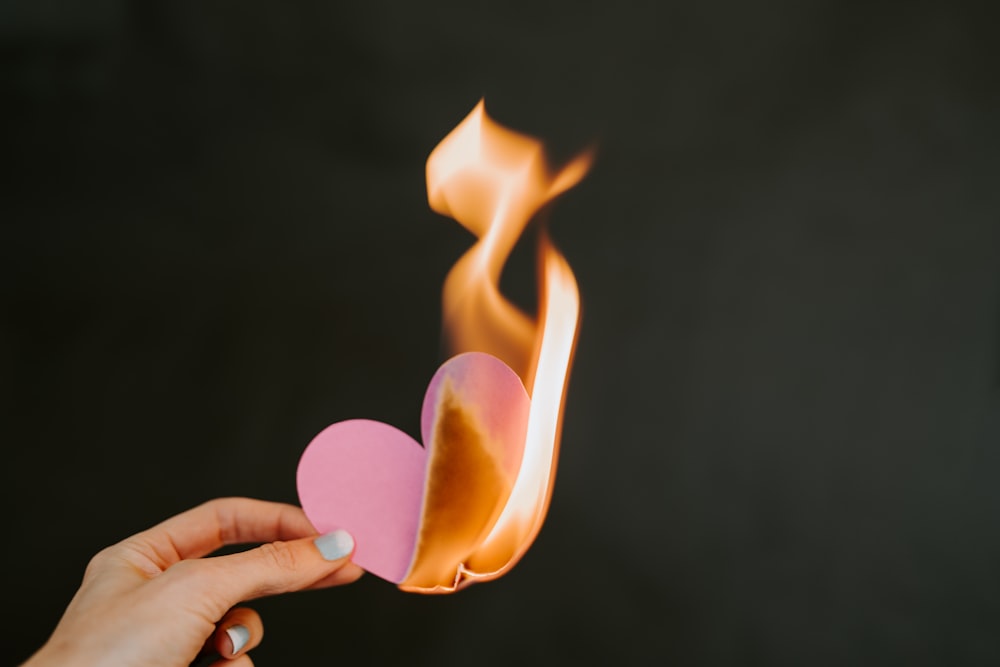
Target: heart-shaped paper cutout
418	513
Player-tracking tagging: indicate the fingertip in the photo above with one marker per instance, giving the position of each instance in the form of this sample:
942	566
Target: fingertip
239	631
239	636
335	545
351	572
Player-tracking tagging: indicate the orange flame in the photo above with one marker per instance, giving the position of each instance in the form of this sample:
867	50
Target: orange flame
494	181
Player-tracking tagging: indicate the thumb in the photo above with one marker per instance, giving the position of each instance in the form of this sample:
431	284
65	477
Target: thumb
272	568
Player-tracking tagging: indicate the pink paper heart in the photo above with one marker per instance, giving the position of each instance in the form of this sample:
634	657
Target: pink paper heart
417	513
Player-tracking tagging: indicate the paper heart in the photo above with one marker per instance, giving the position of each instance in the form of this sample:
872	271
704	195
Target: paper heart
418	514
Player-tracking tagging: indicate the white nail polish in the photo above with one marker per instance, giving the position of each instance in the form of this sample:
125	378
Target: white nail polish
239	635
335	545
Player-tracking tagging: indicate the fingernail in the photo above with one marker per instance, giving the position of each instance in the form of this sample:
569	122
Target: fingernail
239	635
335	545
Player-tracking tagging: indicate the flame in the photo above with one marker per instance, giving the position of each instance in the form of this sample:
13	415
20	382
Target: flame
494	181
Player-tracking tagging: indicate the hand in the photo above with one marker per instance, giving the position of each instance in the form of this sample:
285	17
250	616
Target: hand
152	600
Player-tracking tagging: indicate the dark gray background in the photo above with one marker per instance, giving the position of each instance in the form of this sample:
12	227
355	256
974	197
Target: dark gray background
781	441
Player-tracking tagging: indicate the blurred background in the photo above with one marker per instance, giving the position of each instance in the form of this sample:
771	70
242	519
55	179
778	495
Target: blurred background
782	436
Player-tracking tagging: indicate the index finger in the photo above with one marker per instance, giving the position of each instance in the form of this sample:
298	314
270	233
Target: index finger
203	529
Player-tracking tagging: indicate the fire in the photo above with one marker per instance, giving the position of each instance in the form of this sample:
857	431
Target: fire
493	181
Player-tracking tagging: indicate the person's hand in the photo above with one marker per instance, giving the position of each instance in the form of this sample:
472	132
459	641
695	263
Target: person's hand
152	600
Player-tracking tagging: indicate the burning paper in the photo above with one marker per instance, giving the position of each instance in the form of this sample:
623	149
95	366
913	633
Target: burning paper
467	505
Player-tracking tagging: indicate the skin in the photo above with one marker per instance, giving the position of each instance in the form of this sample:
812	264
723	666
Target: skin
153	600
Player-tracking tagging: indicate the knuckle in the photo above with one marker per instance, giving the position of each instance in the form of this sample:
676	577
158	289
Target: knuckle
217	505
280	555
214	505
98	562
